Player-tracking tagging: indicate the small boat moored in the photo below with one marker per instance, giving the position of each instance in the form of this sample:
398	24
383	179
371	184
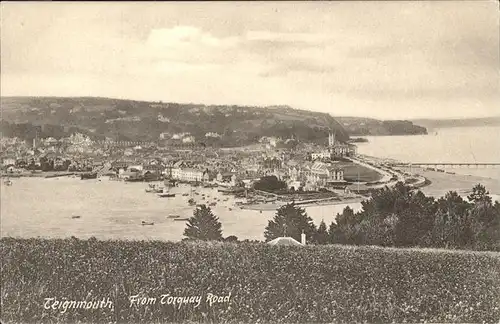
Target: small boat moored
147	223
166	195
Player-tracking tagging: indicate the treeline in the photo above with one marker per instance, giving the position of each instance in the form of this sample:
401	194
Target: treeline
393	217
401	217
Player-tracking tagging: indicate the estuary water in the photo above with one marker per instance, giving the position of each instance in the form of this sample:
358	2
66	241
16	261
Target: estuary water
42	207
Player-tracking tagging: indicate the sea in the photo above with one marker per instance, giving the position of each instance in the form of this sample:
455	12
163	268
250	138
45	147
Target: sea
40	207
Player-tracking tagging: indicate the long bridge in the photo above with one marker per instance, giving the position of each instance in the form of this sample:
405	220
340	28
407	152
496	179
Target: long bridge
435	165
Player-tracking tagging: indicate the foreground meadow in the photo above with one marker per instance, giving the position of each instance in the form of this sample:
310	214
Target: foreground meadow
267	284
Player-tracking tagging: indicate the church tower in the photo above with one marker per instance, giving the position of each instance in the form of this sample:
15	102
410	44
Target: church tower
331	139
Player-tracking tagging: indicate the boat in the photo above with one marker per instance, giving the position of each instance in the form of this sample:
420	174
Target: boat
213	204
166	195
173	216
76	216
87	176
230	208
191	202
181	219
147	223
185	194
8	182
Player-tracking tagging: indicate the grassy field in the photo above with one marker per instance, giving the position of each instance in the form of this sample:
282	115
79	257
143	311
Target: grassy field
266	283
351	171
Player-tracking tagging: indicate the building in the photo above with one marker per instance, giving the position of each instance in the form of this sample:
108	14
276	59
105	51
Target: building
228	178
339	149
209	176
212	134
188	139
186	174
127	175
321	155
8	161
323	175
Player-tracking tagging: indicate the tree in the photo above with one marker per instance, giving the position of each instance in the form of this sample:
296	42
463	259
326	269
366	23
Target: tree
343	230
322	234
204	225
269	183
449	221
484	219
479	194
291	221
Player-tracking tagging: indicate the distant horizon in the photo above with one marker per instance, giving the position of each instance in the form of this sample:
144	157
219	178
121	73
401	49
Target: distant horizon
382	59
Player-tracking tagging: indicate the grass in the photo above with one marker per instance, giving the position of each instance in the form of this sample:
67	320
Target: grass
267	284
351	171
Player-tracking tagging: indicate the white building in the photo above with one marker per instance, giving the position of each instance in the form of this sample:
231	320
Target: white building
212	134
187	174
321	155
9	161
188	139
165	135
324	175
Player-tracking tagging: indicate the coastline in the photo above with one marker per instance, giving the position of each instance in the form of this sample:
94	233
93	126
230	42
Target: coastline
442	182
275	206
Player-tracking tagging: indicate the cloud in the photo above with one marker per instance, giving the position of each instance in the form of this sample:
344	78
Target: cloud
181	36
354	55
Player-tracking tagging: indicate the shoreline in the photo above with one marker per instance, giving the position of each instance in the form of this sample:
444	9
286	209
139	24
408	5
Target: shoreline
275	206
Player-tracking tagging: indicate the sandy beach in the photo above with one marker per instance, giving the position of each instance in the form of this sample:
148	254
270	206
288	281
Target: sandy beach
442	182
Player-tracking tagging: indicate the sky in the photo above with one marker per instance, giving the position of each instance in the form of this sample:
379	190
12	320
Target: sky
388	60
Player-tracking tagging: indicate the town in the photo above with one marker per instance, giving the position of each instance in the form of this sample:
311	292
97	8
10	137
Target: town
271	170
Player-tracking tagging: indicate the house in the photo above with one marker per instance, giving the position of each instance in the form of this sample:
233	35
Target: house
294	184
137	167
12	169
288	241
119	165
212	134
228	178
272	163
126	175
352	150
188	139
209	176
8	161
154	168
323	175
321	155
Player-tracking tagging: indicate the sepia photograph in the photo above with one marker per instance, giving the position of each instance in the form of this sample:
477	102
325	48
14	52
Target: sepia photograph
250	162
